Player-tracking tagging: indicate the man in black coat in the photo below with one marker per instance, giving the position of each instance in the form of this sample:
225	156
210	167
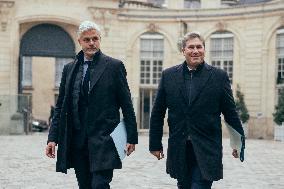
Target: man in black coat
92	90
195	94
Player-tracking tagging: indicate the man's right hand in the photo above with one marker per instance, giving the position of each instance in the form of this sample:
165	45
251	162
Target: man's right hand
158	154
50	150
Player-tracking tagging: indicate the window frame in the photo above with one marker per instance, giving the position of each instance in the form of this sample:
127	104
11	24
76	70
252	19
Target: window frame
27	75
226	62
151	65
60	62
280	57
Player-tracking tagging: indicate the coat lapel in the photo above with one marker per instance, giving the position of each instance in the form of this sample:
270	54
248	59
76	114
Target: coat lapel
69	76
200	80
178	77
97	70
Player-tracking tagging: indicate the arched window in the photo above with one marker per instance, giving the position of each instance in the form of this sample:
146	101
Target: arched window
222	51
280	55
280	59
46	40
44	50
151	65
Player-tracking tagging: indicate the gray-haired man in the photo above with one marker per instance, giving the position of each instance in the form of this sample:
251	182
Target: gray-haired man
93	88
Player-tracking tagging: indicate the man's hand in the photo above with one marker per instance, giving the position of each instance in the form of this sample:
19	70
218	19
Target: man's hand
50	150
235	153
159	154
130	148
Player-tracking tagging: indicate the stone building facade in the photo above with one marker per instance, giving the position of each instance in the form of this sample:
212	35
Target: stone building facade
244	37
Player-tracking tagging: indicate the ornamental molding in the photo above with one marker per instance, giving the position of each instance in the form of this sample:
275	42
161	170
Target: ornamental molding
5	12
221	26
152	27
104	17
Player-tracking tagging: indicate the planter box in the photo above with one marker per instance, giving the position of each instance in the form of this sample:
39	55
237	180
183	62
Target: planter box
279	132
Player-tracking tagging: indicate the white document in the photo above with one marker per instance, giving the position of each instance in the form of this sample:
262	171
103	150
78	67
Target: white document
236	141
119	137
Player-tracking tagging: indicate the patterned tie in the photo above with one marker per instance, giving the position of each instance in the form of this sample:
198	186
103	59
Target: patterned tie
86	79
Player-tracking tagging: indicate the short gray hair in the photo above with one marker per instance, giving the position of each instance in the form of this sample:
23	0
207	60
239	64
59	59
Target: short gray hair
88	25
192	35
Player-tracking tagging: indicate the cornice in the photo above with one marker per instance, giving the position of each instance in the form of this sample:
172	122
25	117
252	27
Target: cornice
239	12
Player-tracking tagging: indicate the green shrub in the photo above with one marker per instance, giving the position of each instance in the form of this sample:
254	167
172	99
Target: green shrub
241	106
278	116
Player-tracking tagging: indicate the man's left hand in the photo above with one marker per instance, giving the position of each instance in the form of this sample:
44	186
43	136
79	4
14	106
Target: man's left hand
130	148
235	153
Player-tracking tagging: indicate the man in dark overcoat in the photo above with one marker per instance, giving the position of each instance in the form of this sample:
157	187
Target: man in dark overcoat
93	89
195	94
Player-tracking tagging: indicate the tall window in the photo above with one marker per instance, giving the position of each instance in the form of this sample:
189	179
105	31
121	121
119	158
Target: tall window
280	55
280	59
26	71
151	65
192	4
151	59
222	51
59	64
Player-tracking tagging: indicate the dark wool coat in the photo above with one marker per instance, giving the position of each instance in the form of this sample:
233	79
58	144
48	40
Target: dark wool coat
211	96
109	92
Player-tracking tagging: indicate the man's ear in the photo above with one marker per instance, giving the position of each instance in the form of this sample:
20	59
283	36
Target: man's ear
182	50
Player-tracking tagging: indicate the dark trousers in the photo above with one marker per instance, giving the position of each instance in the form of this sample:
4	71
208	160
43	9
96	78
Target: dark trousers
87	179
194	179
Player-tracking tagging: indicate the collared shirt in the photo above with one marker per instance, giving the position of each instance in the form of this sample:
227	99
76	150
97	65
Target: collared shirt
86	65
189	69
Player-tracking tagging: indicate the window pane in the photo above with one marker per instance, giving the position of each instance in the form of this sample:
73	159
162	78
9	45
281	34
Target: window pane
222	51
59	64
145	44
280	57
26	71
151	58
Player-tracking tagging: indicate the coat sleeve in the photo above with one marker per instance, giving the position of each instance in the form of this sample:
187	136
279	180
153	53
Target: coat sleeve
228	108
157	118
53	131
125	102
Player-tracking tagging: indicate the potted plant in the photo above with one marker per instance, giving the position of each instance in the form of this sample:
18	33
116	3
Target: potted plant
242	109
278	118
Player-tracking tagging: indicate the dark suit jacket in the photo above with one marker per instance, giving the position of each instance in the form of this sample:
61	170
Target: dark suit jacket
109	92
211	96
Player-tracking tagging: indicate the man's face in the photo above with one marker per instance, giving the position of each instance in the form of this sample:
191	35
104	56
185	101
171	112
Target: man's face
90	42
193	52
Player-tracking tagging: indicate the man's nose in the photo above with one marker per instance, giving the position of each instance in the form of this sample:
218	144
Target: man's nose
195	50
92	42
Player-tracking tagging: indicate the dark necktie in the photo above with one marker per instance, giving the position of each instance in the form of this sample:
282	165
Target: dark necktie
86	79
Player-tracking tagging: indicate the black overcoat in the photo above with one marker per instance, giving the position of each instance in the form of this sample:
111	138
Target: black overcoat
109	91
211	96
